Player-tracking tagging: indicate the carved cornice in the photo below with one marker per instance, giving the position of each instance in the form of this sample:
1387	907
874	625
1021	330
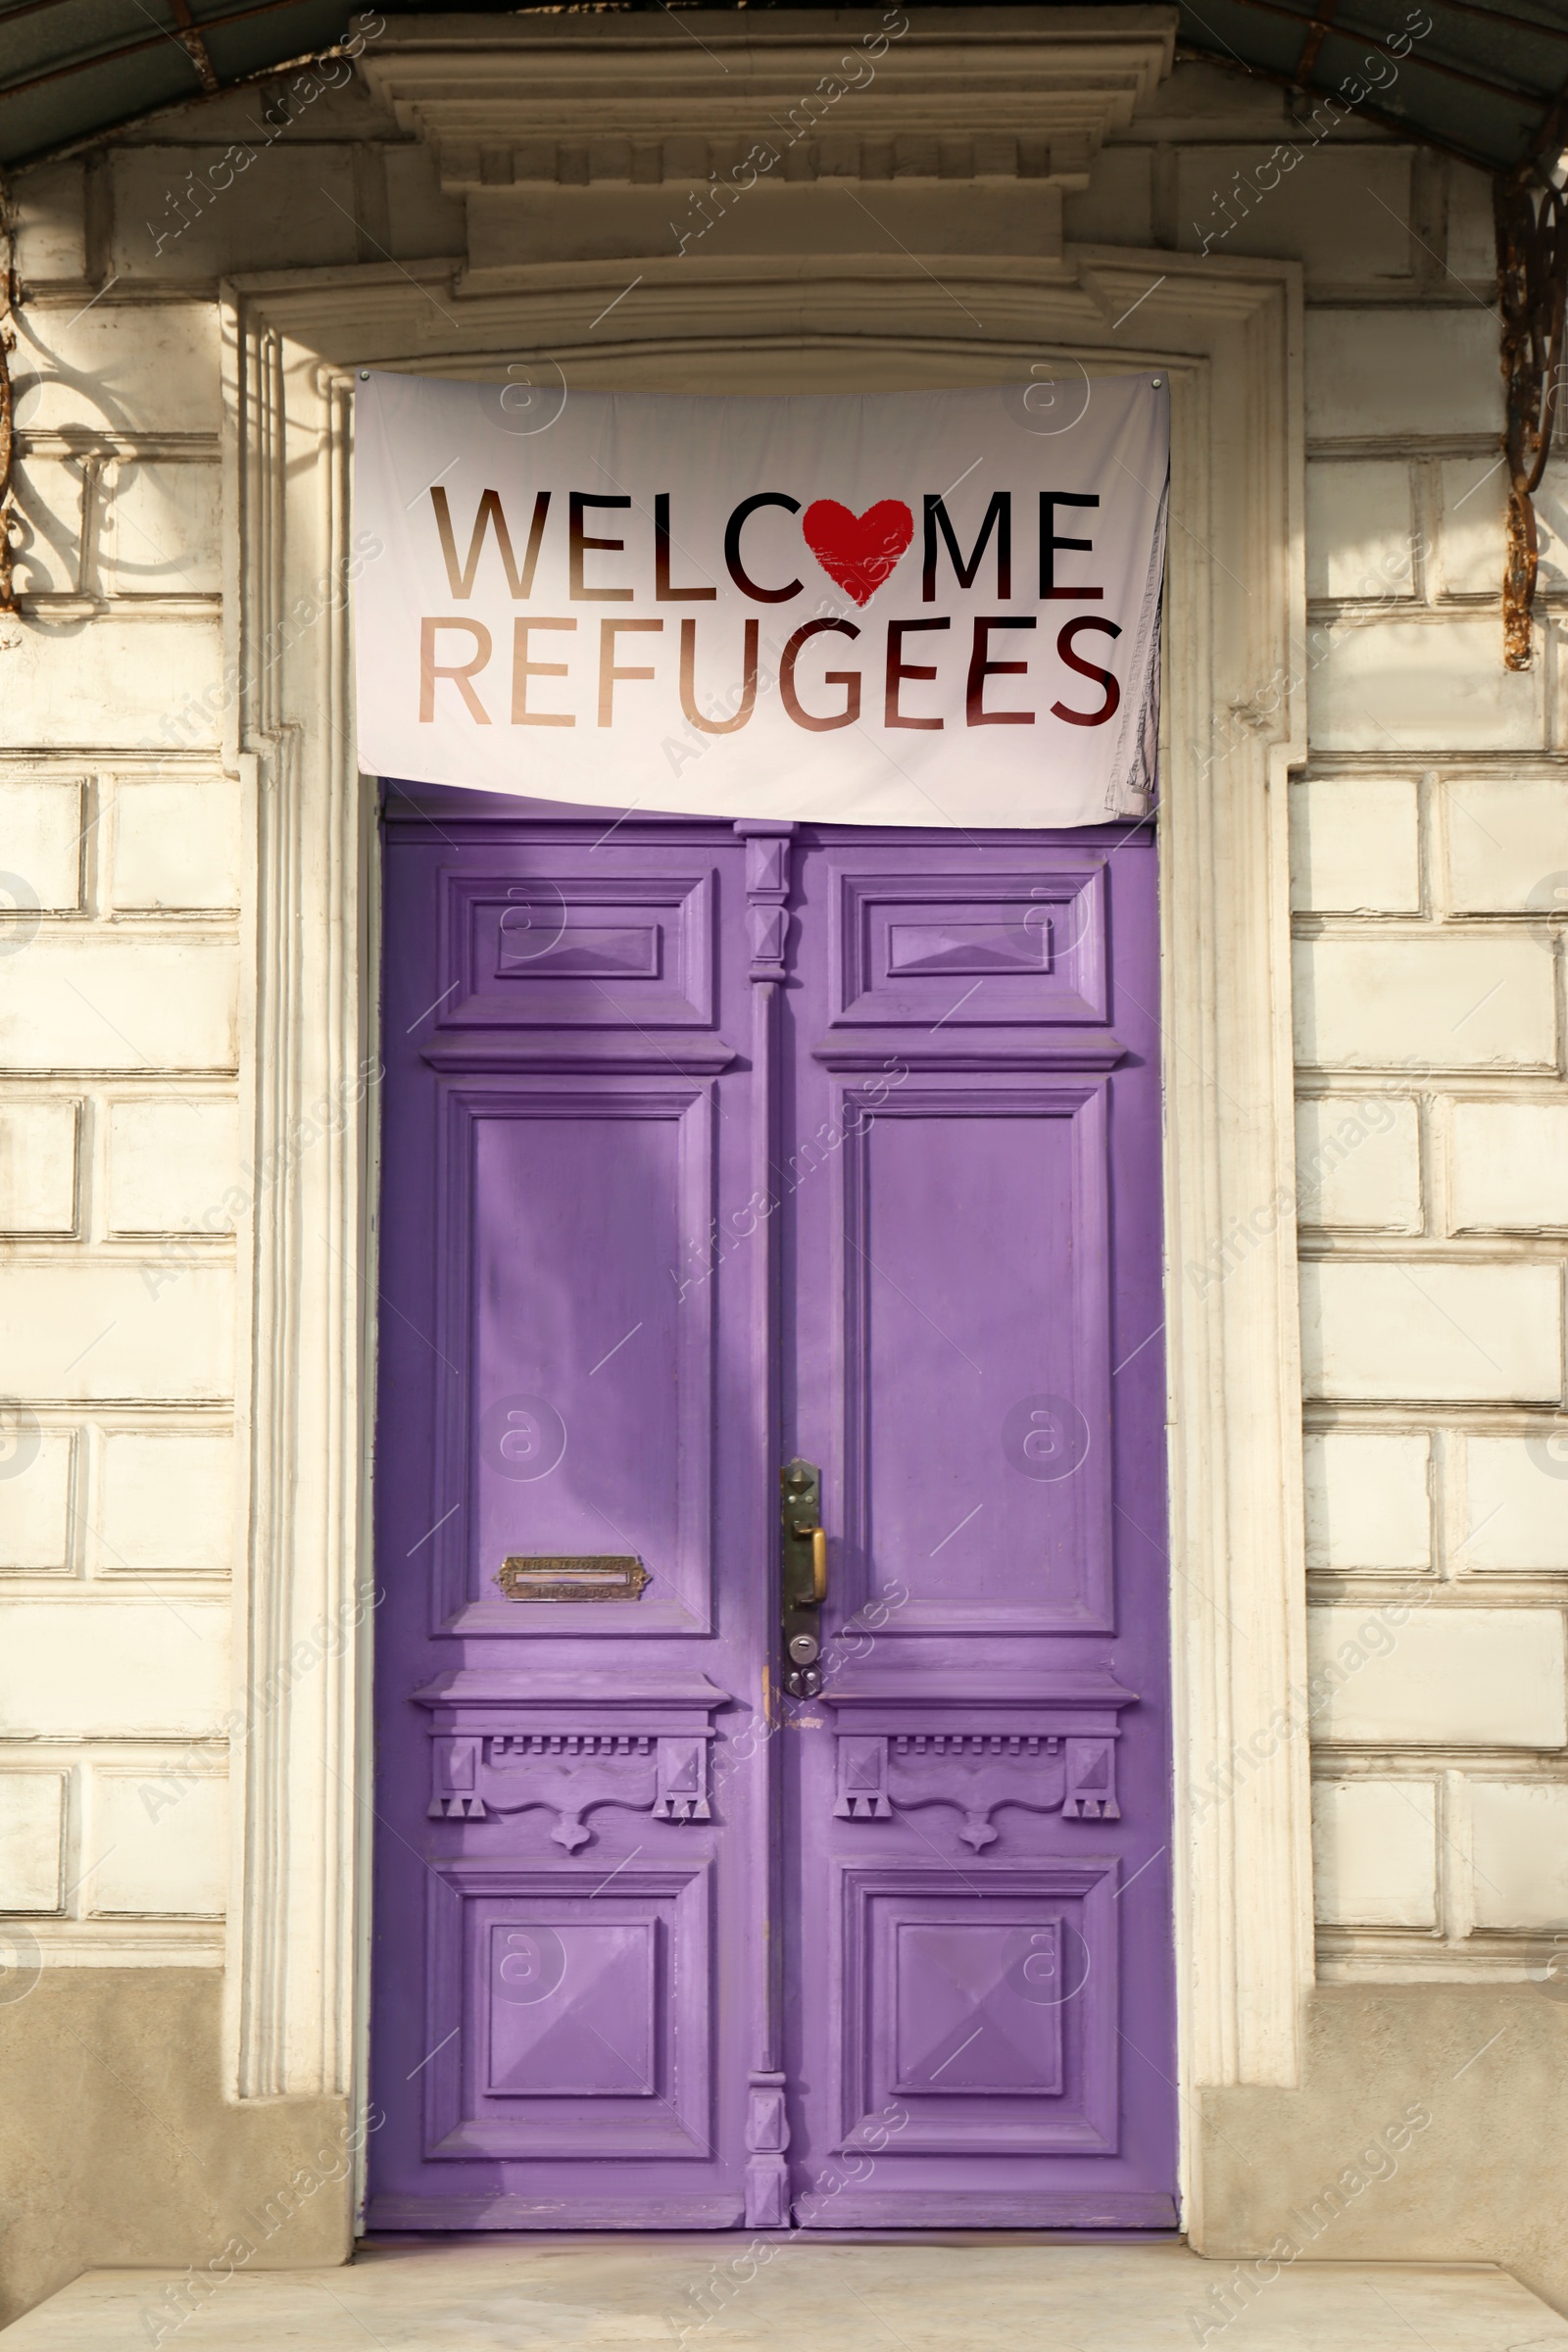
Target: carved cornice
496	1701
974	1050
1076	1699
642	100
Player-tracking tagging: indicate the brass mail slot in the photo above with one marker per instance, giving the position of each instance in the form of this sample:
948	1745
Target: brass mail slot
584	1576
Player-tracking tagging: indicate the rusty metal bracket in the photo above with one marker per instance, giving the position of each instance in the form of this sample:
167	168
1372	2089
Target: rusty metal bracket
1531	221
8	421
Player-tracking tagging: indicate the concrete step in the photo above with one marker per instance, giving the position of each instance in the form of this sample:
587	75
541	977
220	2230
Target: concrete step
957	2292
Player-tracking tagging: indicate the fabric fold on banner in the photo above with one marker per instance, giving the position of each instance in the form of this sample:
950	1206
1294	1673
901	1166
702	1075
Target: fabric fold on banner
881	609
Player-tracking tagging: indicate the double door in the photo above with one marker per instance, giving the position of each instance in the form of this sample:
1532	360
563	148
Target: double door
772	1801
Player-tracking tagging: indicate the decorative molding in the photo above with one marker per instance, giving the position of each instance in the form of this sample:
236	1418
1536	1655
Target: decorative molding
571	1050
662	2105
768	2137
969	1050
633	102
1228	330
768	872
570	1774
1049	970
894	1922
304	1342
73	446
976	1773
502	1744
117	1942
470	168
768	887
1049	1748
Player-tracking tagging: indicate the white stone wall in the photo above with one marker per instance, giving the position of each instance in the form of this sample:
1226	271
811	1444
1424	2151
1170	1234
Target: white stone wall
1430	847
121	1483
1428	851
119	1488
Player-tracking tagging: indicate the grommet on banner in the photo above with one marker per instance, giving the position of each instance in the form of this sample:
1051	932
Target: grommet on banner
1157	381
365	375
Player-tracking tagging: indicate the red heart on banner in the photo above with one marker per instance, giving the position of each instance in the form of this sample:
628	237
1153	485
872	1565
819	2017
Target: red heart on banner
858	551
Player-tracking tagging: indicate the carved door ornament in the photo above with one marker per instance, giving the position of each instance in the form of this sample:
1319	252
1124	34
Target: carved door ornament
502	1744
1055	1751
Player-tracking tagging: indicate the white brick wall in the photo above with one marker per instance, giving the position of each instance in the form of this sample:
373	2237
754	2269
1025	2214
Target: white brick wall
1506	840
139	1667
173	1164
165	1502
1472	497
1428	858
1465	1000
1519	1845
1359	524
1437	1448
40	826
1443	1677
1344	215
1391	375
32	1839
120	1835
1358	1163
1517	1499
38	1503
158	1841
117	1144
38	1165
175	844
1355	845
1368	1500
117	1003
1374	1853
1430	1329
1508	1166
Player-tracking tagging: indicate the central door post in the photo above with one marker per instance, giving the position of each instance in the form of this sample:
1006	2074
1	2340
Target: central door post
767	2129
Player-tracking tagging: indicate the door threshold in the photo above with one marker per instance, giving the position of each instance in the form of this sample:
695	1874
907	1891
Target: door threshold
390	2241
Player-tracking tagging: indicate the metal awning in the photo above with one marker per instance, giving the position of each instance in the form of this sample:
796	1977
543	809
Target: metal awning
1483	81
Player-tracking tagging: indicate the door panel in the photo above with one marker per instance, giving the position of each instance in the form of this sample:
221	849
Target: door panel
706	1147
979	1975
546	942
974	1249
902	931
594	1380
567	1990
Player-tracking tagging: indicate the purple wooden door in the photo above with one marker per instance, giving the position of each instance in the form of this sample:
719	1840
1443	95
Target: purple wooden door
716	1156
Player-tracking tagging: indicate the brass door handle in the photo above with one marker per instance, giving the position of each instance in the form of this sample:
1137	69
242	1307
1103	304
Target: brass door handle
804	1576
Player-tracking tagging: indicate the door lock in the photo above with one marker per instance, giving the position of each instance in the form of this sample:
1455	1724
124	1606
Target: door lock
804	1575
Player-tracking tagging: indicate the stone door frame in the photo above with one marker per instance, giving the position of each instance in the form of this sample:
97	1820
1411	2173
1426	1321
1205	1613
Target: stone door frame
1229	333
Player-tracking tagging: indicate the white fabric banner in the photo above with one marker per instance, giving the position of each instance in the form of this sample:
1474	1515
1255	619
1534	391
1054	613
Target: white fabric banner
904	609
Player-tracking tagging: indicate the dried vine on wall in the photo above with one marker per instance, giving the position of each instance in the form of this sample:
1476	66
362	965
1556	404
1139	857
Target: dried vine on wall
8	422
1531	217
